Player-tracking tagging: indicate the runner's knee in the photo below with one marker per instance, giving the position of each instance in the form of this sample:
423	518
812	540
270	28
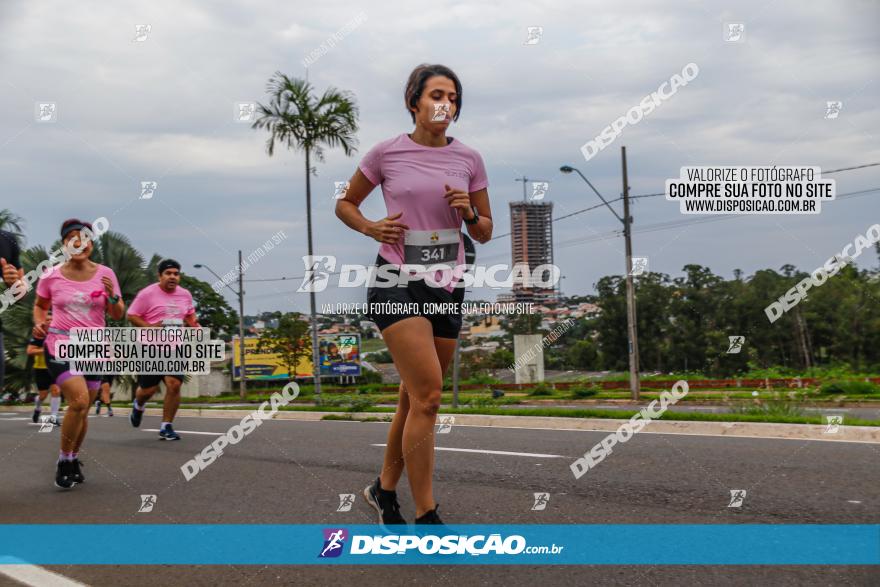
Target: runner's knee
78	402
427	402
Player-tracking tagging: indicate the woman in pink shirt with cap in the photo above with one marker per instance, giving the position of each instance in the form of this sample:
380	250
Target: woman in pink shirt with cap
79	292
431	184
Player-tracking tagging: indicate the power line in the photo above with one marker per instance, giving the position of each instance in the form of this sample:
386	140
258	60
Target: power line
649	228
670	224
851	168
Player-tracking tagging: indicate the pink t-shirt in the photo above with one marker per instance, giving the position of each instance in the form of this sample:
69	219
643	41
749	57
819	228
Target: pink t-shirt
75	304
413	178
154	304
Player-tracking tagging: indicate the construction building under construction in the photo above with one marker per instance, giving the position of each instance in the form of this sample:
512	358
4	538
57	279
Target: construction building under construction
531	240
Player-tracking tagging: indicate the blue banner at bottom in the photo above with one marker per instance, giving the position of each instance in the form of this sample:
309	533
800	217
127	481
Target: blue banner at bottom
570	544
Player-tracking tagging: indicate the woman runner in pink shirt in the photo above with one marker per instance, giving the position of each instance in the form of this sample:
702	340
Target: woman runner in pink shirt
431	184
79	292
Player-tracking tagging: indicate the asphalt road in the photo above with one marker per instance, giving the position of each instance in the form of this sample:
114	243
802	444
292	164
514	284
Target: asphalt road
291	472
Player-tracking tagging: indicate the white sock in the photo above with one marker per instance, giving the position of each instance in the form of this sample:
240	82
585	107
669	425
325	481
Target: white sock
38	403
165	425
138	407
55	404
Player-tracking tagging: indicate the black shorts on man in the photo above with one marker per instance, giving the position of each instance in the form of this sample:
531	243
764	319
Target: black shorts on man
148	381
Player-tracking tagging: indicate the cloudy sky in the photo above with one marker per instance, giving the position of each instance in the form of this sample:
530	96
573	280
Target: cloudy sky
163	109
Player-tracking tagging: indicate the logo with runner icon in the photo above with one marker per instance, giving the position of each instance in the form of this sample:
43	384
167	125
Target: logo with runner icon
541	501
334	541
148	502
346	500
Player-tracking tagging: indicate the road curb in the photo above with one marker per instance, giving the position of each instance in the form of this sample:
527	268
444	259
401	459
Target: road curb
869	434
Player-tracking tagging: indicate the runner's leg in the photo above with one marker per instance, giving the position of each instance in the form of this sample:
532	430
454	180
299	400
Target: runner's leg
392	468
411	344
172	399
55	401
93	393
143	395
76	391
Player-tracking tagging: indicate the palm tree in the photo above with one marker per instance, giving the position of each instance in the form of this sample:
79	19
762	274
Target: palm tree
116	252
12	223
18	322
303	122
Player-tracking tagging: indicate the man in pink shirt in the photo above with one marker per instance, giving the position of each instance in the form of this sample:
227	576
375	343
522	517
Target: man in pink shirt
162	305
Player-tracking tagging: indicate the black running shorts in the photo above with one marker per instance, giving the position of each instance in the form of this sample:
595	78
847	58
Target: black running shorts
43	379
147	381
388	305
59	372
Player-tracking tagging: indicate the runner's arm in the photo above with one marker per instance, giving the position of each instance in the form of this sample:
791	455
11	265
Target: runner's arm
191	320
33	349
387	230
41	316
482	230
117	310
10	266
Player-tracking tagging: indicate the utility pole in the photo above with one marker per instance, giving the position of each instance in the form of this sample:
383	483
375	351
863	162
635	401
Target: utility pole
242	384
470	257
632	337
455	365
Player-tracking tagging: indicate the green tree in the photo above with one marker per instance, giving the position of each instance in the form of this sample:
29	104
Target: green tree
18	322
211	308
582	355
116	252
289	340
299	120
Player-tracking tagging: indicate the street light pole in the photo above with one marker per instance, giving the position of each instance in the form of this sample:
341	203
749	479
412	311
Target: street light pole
470	257
632	338
632	334
242	385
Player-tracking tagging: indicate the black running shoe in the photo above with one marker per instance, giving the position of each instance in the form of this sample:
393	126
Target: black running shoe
36	417
384	502
109	412
64	475
430	517
77	471
135	416
168	433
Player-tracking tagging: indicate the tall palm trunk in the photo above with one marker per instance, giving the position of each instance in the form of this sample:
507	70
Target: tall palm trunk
316	366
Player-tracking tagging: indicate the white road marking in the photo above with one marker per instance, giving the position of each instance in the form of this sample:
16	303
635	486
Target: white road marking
11	419
187	432
37	576
646	431
497	452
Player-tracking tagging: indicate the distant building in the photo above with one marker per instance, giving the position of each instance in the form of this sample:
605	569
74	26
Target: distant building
531	240
489	325
585	310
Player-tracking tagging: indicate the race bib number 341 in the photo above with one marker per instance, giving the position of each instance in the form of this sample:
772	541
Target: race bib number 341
431	247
